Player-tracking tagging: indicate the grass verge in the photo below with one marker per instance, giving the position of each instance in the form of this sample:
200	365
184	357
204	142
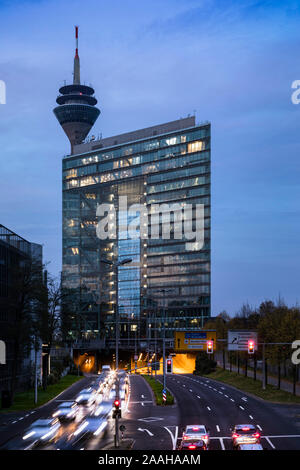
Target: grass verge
247	384
25	400
157	388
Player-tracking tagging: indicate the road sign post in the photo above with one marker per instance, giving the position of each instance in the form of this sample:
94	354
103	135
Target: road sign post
164	393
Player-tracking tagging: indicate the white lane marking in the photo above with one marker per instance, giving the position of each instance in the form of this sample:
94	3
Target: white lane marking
220	392
226	396
191	390
244	398
231	399
183	385
242	408
215	389
250	416
288	435
146	430
268	439
14	422
223	388
143	396
222	443
142	403
259	427
198	396
218	429
173	437
208	408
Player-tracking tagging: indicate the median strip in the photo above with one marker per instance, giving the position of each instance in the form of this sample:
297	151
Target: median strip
157	388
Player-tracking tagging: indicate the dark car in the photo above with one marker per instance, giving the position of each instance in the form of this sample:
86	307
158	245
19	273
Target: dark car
192	445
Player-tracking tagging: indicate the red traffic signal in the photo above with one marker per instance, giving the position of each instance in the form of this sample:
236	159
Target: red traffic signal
251	346
117	404
209	347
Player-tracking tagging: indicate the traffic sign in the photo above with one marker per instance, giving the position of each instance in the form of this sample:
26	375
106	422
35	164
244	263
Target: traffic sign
238	340
193	340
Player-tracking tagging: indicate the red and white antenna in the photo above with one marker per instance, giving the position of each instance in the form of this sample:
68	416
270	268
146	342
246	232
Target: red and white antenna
76	38
76	75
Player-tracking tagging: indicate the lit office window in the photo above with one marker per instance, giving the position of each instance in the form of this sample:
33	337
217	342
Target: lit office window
196	146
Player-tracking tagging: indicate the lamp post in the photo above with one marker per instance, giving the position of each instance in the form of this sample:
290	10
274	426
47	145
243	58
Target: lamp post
117	326
164	291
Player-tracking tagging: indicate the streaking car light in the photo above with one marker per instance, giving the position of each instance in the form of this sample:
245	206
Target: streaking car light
29	435
70	414
99	411
100	429
48	434
57	413
81	428
79	398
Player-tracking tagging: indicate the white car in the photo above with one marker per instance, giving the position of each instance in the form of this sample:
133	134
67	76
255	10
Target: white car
87	396
66	411
42	431
196	432
92	426
245	434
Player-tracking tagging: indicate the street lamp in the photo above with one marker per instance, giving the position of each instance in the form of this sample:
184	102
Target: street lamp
117	326
164	291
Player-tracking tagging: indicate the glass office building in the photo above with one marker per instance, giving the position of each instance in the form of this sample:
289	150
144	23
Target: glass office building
166	278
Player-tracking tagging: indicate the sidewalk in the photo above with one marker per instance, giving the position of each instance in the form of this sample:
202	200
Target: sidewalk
285	385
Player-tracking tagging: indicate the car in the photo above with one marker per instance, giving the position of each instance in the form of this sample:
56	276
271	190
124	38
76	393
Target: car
192	444
92	426
66	411
245	434
196	432
104	409
250	447
87	396
42	431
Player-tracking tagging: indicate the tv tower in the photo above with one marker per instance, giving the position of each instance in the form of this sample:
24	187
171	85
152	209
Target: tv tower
76	111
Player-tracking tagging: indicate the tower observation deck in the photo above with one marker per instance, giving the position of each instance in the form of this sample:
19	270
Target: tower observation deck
76	111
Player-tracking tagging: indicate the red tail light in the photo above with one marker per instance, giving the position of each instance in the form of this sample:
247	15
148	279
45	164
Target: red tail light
205	437
235	435
256	434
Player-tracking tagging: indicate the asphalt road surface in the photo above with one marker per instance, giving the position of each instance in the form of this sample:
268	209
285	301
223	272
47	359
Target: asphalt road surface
150	427
219	407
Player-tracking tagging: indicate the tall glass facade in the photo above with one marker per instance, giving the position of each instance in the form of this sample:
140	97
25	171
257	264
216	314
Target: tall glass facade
167	277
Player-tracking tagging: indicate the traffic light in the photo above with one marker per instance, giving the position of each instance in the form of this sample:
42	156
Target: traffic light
169	366
116	411
251	346
209	347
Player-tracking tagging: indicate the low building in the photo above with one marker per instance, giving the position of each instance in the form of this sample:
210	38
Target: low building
16	254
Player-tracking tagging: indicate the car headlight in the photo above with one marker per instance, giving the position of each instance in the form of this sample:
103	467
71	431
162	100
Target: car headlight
29	435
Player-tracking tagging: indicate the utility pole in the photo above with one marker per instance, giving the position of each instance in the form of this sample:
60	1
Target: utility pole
263	367
35	372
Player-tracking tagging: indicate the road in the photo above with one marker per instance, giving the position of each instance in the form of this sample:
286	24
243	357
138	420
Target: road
149	427
218	407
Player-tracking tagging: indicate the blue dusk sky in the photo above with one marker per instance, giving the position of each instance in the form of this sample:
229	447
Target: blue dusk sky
232	62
